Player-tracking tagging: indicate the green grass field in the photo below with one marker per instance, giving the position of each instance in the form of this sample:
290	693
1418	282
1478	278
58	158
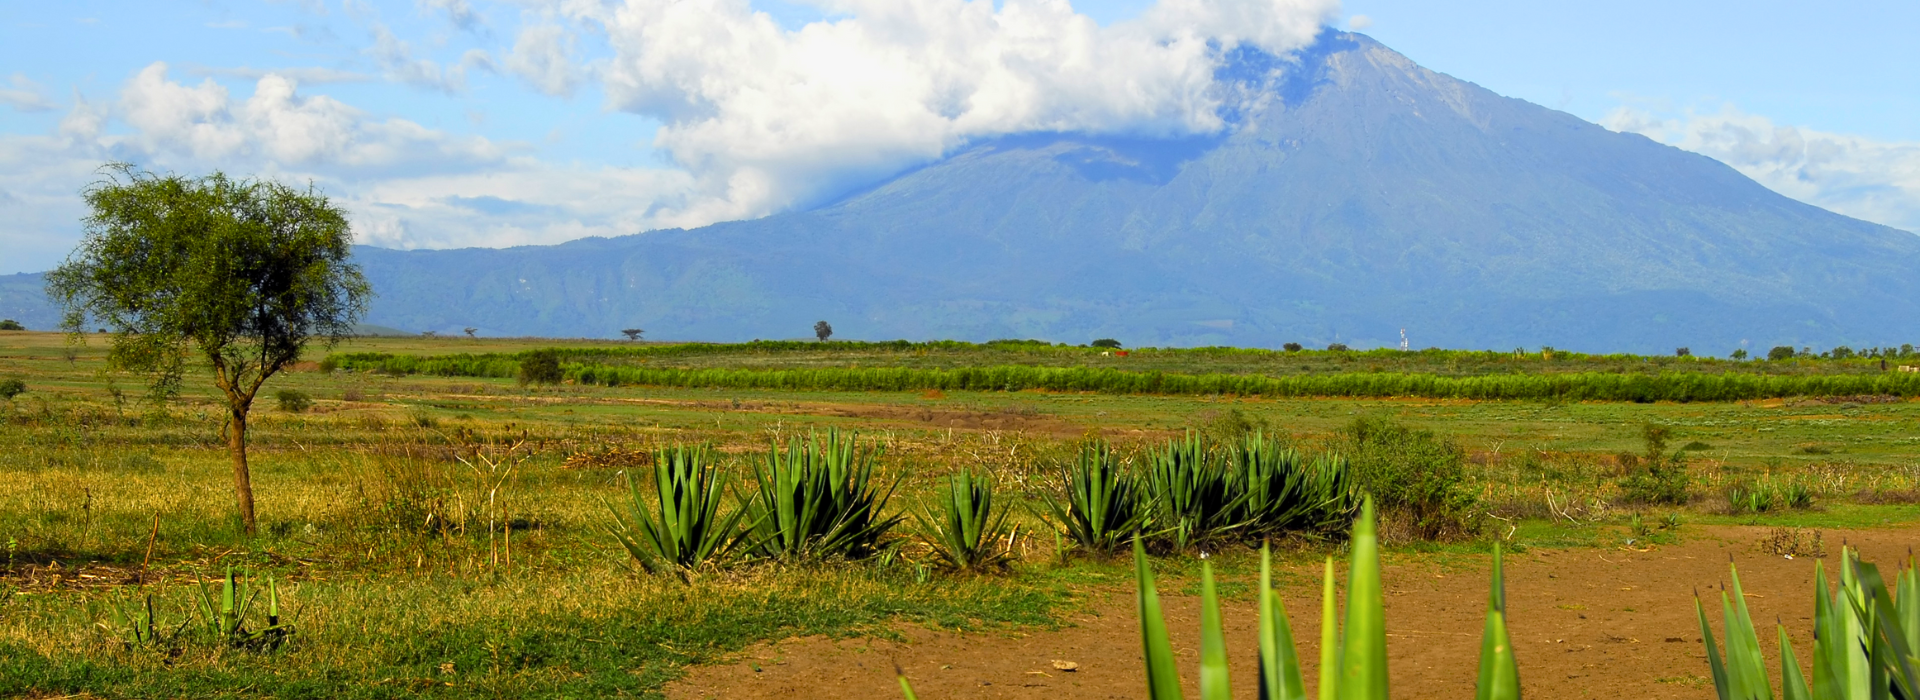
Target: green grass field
444	535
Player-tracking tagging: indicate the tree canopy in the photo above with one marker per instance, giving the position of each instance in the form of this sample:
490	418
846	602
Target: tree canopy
244	272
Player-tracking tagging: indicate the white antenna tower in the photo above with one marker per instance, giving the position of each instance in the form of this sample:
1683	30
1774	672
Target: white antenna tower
1403	340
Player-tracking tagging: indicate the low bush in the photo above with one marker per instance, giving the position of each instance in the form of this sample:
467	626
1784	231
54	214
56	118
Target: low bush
540	367
11	325
1656	477
294	401
1419	478
11	387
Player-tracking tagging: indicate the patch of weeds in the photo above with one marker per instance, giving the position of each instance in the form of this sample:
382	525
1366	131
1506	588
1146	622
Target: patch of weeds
1656	478
1791	542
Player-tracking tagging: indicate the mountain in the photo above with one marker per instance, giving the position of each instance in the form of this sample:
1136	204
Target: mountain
1363	195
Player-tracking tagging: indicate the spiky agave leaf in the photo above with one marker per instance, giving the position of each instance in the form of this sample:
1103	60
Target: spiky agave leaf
1746	670
1279	662
1213	642
1714	661
1793	685
1329	688
1363	658
1499	674
1163	678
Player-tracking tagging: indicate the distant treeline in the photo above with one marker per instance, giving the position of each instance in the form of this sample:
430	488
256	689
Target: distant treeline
1572	386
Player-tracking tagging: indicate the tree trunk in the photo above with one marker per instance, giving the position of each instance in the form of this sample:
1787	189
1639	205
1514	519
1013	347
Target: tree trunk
242	480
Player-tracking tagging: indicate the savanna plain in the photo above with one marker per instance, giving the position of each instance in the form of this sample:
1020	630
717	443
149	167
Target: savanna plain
435	523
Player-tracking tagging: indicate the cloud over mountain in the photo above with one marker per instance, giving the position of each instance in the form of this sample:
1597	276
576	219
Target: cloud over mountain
765	116
1860	177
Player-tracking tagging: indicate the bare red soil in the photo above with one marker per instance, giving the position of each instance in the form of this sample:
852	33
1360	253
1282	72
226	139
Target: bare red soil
1586	623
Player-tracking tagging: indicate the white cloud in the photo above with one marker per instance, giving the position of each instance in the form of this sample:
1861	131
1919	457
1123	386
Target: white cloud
543	57
459	13
396	58
766	116
23	94
302	75
277	128
1359	23
405	185
1873	180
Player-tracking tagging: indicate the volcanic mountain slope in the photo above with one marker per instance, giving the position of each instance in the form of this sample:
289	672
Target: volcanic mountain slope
1364	194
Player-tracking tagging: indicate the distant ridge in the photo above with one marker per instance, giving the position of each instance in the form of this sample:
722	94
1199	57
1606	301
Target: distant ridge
1365	195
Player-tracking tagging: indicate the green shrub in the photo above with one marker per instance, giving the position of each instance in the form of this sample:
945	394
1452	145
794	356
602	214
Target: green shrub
540	367
1657	478
11	325
1781	352
1419	478
1291	347
11	387
294	401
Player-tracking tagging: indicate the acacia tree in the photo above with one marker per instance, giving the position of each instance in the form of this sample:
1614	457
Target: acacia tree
245	273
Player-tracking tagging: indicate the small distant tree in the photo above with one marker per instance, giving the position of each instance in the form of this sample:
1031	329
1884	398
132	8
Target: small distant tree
1739	354
541	367
1291	347
1906	349
245	273
11	325
1107	343
822	330
1841	353
1780	352
1337	347
294	401
429	334
1683	352
633	333
469	331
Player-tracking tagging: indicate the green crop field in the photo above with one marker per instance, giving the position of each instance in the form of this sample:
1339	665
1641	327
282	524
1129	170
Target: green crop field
435	528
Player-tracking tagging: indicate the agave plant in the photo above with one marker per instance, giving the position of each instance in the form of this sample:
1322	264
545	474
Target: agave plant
683	529
817	500
1281	492
1353	657
1864	640
226	622
966	534
1103	506
1195	493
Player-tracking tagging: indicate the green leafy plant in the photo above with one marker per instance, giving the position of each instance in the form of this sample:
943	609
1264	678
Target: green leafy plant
294	401
226	621
1353	656
1657	477
1419	478
11	387
1103	505
817	500
968	534
682	527
11	325
1863	643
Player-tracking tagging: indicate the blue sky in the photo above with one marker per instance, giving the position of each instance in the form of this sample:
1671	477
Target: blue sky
443	123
